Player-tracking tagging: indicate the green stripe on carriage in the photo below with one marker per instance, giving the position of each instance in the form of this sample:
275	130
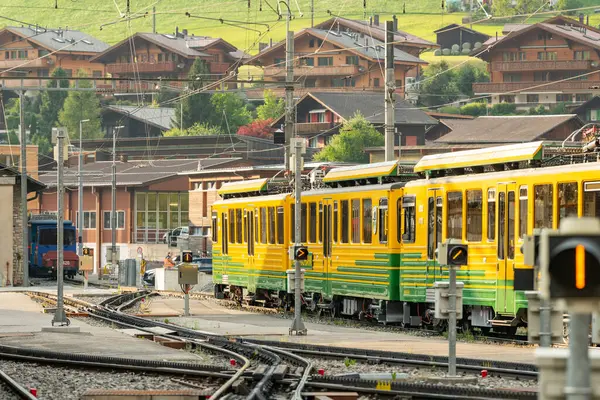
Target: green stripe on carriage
365	270
358	278
411	255
372	263
381	256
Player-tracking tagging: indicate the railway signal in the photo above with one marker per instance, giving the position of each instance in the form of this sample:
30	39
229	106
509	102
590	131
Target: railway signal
301	253
186	256
453	254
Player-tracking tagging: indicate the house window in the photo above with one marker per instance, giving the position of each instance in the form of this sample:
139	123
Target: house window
376	82
581	55
97	74
546	55
309	62
352	60
69	72
279	62
325	61
541	76
512	77
319	43
22	54
43	72
564	98
583	97
42	53
89	219
593	115
160	57
311	83
514	56
508	98
343	82
156	213
107	220
311	43
533	98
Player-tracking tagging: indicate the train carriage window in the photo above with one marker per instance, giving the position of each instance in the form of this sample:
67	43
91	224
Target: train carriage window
256	226
263	225
271	225
345	220
321	218
231	226
238	224
335	221
355	221
367	221
474	215
292	223
214	226
542	206
224	226
280	225
591	199
523	212
312	219
567	200
408	204
511	225
382	220
245	226
304	222
491	215
455	215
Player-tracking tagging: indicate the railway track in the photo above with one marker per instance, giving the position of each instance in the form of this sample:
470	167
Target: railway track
268	369
14	387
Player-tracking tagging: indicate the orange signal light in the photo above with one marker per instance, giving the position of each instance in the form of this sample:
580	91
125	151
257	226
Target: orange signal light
580	266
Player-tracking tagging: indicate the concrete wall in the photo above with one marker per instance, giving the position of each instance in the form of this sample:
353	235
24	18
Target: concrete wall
6	244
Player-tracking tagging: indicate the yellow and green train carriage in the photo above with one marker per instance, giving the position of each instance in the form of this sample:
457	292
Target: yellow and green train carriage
373	235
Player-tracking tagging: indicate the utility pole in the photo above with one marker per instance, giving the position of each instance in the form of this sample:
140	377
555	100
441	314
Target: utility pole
297	325
113	213
471	14
80	200
59	316
312	13
390	95
24	222
154	19
289	87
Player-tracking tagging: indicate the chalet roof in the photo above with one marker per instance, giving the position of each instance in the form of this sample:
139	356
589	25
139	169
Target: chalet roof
439	115
377	31
583	107
451	27
159	117
132	173
56	39
363	46
33	185
370	105
170	42
502	129
513	28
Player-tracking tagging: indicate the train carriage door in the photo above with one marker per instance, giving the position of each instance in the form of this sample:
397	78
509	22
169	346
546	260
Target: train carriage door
434	234
327	227
505	245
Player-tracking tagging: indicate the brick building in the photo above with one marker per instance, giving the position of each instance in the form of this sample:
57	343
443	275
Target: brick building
556	61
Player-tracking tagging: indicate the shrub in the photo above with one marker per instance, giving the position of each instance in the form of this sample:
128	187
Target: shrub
503	109
437	52
474	109
466	52
449	110
446	52
466	45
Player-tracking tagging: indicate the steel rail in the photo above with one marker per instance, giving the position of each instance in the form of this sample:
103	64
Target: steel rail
16	387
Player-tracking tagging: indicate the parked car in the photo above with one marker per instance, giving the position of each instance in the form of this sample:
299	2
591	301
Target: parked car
170	237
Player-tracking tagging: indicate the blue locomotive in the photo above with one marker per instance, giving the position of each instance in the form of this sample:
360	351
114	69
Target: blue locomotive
43	253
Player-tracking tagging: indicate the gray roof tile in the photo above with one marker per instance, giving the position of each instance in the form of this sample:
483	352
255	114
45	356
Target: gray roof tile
68	40
157	116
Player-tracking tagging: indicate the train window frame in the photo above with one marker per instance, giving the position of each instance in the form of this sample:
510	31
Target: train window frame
238	225
345	225
245	226
335	221
263	225
545	205
304	222
355	221
224	233
477	234
231	231
312	222
409	218
271	218
559	200
320	213
382	216
280	222
523	205
214	226
450	216
256	226
591	189
491	212
367	220
292	223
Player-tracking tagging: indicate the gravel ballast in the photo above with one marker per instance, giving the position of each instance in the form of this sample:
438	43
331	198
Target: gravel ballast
61	383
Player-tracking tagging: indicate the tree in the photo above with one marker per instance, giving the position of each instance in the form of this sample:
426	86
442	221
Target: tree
272	108
529	6
196	107
503	109
230	112
439	85
50	105
349	144
257	128
502	8
569	5
467	75
198	129
79	106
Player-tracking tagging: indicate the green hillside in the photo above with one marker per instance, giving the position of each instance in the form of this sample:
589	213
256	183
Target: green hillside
101	18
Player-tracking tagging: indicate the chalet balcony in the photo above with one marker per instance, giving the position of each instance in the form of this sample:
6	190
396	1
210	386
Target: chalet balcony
304	128
533	87
219	68
279	72
37	63
130	68
257	93
556	65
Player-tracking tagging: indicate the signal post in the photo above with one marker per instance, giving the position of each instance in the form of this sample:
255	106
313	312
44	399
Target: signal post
188	277
570	268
